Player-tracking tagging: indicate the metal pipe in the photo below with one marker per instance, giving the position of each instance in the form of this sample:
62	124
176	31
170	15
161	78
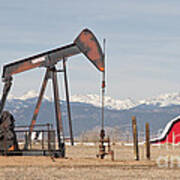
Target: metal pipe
103	86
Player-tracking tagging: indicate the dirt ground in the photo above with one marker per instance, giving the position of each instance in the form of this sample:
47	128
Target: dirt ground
81	163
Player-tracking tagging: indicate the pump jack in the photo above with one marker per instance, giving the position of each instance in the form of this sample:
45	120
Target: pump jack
85	43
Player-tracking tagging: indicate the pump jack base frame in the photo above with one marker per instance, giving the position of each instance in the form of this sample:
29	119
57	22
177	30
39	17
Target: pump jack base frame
85	43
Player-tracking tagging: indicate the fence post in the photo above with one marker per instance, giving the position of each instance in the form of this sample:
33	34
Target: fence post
43	139
147	141
135	138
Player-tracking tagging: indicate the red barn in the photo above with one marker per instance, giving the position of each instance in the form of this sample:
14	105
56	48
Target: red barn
171	133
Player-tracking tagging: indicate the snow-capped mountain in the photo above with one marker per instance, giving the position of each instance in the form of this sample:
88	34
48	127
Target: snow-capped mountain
163	100
160	101
29	95
86	113
110	103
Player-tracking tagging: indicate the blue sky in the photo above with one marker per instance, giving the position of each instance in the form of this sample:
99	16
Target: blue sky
143	42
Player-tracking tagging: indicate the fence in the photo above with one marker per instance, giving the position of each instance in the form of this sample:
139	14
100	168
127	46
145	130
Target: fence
42	137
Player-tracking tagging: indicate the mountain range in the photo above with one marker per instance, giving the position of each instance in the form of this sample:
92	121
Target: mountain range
86	111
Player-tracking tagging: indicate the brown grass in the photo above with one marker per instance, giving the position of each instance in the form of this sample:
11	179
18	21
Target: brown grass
81	163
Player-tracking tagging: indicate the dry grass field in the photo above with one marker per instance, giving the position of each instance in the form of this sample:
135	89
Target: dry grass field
81	163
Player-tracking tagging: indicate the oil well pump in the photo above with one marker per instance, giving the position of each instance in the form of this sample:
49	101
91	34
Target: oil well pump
87	44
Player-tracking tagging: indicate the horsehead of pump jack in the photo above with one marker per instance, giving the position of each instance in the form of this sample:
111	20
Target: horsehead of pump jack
85	43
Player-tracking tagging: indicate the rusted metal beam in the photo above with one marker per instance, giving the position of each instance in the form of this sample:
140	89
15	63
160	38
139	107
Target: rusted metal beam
36	111
59	124
68	102
37	108
45	59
